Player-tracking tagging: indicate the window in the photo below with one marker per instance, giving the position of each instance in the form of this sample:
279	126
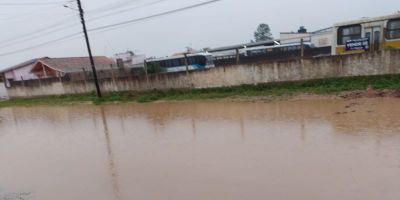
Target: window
177	63
168	63
163	64
348	33
202	60
393	29
191	60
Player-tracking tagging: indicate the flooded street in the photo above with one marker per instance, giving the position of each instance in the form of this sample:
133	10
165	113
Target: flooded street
289	150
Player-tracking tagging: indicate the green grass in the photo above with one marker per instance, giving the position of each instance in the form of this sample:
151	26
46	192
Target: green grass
323	86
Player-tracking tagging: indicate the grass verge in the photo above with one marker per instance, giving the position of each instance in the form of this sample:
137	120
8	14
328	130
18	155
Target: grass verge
322	86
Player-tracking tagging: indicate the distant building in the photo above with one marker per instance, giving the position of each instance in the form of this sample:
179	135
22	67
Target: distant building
129	60
138	61
294	37
124	59
320	38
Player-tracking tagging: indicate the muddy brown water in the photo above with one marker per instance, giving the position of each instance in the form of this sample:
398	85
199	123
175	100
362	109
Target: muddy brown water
314	149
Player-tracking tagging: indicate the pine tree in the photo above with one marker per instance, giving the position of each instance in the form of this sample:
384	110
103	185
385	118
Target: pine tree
263	33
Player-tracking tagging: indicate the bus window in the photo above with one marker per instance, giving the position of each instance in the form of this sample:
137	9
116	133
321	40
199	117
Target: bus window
176	63
192	60
393	29
202	61
377	40
182	62
348	33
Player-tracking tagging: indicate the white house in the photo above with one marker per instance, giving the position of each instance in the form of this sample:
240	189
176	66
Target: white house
19	72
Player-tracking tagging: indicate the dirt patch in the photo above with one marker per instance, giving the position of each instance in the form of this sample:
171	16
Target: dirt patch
310	96
370	93
288	97
358	94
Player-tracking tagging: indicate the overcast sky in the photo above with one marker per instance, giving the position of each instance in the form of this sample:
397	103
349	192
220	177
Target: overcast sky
226	22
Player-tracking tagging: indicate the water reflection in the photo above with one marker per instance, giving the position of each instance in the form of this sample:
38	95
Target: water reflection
113	168
194	129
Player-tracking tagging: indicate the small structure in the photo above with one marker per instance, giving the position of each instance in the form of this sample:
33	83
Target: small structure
124	59
323	37
319	38
130	60
295	37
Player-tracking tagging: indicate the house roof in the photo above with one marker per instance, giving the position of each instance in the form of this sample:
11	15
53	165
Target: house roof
24	64
76	64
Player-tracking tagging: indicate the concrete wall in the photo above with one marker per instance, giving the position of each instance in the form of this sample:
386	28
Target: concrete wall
378	63
3	92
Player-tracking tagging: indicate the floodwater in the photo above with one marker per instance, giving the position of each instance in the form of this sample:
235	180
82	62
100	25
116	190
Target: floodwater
289	150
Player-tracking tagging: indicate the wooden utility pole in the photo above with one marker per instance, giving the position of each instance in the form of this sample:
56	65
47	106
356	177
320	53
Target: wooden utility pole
237	56
96	81
146	74
186	64
302	48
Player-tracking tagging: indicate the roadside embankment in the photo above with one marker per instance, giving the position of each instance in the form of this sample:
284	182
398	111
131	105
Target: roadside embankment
349	87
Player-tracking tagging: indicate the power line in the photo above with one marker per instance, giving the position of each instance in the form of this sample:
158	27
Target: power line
32	3
126	10
31	38
49	29
40	45
154	16
111	6
39	32
111	26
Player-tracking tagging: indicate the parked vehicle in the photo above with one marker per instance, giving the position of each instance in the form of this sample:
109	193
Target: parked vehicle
277	49
198	61
367	34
